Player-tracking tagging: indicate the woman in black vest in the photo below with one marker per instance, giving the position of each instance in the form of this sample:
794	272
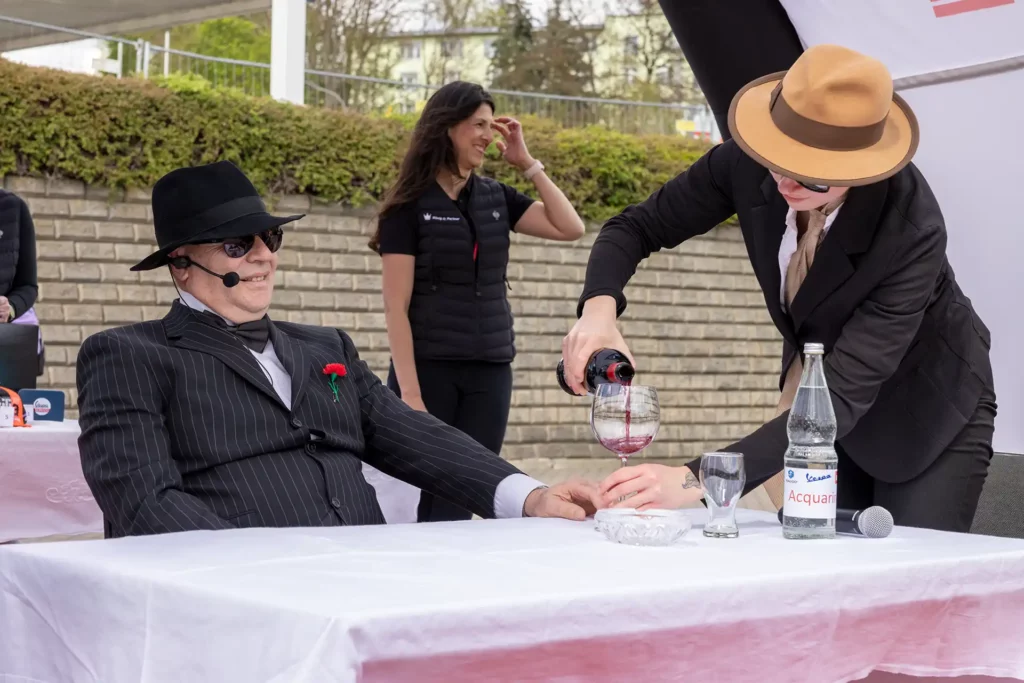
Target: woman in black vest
443	235
18	286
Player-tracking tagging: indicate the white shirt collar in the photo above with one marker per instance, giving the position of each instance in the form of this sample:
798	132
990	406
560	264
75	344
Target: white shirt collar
196	305
829	220
789	243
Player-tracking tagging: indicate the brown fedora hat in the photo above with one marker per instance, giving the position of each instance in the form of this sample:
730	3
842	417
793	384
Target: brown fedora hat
831	119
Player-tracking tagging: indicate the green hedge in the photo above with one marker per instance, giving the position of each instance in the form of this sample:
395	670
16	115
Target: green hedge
127	133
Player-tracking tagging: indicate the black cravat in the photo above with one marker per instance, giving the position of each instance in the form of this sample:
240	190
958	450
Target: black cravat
253	334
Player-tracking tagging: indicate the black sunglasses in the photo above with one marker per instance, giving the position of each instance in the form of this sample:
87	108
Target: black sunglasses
237	247
821	189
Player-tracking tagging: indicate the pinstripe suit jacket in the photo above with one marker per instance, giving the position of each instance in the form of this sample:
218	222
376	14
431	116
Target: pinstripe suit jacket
182	430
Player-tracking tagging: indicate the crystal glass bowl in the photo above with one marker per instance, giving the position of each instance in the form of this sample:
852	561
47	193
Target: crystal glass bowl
650	527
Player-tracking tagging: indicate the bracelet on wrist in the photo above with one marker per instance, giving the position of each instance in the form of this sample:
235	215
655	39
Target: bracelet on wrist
535	168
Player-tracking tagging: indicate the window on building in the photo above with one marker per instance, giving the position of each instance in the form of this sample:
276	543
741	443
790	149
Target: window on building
451	48
489	49
452	75
411	50
631	46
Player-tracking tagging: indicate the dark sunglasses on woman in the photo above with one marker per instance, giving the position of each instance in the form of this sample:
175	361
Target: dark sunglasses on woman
237	247
814	188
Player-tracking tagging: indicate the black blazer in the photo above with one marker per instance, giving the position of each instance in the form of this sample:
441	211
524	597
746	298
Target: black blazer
182	430
17	254
906	358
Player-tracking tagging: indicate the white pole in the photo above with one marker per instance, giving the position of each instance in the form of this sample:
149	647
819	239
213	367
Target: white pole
288	50
120	59
167	55
147	57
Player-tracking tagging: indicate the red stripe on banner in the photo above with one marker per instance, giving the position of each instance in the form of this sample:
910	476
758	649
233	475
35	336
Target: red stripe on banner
964	6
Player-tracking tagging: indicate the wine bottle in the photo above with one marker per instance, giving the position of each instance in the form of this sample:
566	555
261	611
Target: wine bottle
607	366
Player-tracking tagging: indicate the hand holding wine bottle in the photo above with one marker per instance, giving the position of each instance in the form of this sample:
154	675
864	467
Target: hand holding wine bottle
595	330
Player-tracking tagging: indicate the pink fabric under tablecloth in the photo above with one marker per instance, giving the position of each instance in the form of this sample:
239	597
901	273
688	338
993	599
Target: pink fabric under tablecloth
42	491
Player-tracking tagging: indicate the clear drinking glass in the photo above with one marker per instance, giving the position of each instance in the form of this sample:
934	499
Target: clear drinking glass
722	477
625	418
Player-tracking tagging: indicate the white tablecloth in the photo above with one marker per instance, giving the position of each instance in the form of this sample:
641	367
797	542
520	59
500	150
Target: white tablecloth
42	492
511	600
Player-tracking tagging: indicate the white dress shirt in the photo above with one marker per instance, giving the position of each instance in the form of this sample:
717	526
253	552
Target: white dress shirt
789	244
509	497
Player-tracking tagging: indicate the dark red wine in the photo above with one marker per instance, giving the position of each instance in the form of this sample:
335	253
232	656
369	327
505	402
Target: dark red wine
607	366
629	411
628	445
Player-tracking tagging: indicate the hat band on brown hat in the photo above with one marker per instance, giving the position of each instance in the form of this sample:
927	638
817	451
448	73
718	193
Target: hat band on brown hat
821	135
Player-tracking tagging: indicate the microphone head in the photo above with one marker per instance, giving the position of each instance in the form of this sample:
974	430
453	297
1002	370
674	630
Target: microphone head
231	279
875	522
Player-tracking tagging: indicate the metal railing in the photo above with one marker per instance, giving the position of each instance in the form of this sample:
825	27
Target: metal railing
365	94
377	95
252	78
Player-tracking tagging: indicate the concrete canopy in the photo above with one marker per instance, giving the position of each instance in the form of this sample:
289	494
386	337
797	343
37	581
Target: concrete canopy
109	17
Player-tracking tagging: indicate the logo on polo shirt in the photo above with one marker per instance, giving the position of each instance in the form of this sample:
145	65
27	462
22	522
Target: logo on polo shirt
496	215
444	219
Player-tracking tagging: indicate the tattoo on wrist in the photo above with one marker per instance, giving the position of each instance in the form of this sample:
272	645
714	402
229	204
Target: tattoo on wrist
690	481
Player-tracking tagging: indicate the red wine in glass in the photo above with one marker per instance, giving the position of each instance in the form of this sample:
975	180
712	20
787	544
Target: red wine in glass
625	418
627	446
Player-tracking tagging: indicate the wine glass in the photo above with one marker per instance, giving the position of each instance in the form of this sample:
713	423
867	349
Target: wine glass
722	476
625	418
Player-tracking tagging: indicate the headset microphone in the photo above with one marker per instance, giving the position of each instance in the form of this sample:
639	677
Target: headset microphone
230	279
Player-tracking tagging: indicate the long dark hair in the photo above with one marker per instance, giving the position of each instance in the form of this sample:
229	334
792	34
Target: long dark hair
430	148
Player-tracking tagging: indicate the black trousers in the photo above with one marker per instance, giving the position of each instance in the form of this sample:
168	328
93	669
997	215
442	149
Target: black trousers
472	396
944	496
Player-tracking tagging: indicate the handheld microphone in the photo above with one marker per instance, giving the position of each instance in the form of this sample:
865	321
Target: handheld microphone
230	279
872	522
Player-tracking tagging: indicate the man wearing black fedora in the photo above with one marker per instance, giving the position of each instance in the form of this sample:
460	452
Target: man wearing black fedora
217	417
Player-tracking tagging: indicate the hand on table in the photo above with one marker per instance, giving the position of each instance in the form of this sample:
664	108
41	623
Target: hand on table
655	486
573	499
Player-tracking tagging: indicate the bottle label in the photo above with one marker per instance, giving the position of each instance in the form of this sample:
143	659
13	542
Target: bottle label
810	494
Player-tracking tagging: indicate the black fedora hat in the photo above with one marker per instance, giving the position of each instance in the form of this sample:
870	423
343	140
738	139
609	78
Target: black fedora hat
201	203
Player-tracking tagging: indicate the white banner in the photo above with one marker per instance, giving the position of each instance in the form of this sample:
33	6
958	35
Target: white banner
915	36
972	148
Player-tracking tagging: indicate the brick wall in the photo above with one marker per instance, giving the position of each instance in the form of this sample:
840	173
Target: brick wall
696	320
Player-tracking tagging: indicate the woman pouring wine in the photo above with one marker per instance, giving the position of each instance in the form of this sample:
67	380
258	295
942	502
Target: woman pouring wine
848	244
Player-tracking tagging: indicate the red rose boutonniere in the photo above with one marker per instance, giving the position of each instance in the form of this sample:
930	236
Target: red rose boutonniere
335	370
